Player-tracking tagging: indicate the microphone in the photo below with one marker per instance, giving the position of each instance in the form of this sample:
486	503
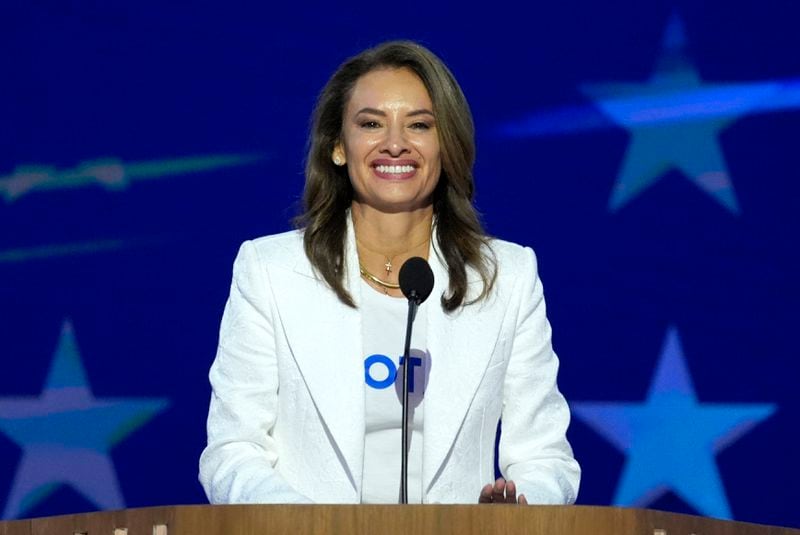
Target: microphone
416	279
416	283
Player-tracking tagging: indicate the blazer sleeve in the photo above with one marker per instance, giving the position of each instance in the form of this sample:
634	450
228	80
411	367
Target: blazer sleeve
533	449
238	463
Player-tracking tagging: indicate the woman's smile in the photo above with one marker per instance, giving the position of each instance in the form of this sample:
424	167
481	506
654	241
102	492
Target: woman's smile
389	169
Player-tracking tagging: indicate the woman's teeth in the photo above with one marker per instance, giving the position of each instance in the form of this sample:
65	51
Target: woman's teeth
394	169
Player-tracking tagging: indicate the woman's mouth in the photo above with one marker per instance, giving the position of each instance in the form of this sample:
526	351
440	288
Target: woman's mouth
394	171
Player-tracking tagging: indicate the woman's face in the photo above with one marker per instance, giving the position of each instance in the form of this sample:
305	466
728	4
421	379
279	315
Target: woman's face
389	141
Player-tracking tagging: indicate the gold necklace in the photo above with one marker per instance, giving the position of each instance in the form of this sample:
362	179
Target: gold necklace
384	284
388	265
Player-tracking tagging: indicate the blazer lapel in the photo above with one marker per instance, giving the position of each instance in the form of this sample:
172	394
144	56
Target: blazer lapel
325	339
461	344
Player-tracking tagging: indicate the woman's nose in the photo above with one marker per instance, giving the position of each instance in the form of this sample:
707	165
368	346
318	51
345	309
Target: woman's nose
395	143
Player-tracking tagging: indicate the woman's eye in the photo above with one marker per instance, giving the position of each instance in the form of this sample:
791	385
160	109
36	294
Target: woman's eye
370	124
420	126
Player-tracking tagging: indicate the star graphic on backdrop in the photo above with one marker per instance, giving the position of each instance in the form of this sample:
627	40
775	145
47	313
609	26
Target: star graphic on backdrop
674	120
66	434
671	438
670	126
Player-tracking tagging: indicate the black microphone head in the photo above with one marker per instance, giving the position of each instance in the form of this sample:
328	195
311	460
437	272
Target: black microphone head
416	279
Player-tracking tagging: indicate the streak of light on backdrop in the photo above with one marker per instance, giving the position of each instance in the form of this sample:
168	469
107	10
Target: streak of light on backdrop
648	151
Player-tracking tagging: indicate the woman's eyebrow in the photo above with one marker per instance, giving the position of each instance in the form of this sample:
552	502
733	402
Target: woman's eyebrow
375	111
371	111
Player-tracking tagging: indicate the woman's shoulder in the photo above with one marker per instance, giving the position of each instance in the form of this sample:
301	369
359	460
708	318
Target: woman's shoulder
513	263
510	255
283	248
290	238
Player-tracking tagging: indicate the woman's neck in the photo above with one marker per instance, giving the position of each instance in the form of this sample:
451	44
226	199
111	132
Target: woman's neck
386	240
391	234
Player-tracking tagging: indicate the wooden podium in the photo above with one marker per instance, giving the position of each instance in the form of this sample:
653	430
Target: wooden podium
383	519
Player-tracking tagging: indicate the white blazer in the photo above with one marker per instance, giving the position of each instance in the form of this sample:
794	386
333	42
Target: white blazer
286	421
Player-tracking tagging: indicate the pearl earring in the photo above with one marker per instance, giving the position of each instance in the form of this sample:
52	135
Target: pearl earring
337	160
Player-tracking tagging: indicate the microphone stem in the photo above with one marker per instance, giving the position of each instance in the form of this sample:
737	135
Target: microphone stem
412	309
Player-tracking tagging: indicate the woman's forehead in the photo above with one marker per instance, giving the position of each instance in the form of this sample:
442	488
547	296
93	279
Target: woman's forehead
389	88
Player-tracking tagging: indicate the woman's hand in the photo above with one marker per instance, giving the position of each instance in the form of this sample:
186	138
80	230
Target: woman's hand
501	492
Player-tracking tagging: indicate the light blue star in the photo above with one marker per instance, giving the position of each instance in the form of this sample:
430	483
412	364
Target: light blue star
671	439
683	134
674	120
66	434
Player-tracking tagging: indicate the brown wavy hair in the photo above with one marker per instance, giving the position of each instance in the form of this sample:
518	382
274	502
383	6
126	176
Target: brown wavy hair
328	193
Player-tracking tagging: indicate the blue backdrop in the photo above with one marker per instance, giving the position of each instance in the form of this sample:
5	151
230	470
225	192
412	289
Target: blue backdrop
646	150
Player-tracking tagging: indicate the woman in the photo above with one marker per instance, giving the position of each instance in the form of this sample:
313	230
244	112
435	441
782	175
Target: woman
304	405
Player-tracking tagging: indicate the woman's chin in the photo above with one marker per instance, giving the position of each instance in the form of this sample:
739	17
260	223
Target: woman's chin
395	205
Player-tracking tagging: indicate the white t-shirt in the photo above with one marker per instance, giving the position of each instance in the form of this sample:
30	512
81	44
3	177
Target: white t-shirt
383	327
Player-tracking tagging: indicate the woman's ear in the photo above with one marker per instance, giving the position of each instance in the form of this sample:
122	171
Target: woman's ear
338	155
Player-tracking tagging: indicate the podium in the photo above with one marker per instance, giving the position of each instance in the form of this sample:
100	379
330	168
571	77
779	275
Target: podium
384	519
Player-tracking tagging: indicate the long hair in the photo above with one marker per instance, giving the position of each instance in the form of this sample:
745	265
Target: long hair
328	193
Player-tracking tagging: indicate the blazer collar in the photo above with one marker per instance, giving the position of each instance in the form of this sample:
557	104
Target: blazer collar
352	273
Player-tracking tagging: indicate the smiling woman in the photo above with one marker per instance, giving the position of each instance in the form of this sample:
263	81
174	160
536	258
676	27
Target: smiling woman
391	75
390	143
299	411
